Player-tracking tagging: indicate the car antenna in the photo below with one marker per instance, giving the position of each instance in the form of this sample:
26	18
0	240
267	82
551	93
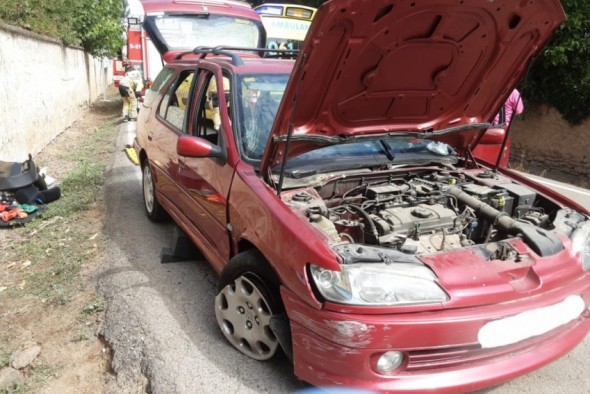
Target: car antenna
291	126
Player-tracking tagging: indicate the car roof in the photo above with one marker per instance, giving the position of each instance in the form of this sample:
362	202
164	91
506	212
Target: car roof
233	7
251	64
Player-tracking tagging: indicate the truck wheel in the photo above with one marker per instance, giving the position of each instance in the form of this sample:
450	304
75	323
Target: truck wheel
153	209
247	298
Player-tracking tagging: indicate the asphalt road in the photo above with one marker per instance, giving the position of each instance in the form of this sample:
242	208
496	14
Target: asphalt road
161	324
577	194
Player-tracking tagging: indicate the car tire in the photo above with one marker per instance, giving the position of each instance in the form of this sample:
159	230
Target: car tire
153	209
247	298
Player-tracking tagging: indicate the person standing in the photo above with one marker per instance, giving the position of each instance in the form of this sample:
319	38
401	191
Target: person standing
130	89
512	106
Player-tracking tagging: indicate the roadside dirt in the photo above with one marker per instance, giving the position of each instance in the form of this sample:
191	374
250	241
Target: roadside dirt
64	321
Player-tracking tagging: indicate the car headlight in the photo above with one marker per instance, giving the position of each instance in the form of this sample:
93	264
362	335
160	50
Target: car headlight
581	243
376	284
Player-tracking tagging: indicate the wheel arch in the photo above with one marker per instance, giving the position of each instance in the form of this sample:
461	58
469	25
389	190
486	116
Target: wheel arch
142	158
280	323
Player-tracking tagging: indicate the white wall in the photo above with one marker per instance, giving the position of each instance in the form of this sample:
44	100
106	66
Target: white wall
44	88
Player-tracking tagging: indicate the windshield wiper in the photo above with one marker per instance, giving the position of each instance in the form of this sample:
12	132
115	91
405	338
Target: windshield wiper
344	139
387	150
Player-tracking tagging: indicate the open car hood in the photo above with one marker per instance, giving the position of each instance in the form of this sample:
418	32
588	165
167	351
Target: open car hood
378	67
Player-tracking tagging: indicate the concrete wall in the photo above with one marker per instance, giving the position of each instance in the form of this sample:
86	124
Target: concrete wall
44	88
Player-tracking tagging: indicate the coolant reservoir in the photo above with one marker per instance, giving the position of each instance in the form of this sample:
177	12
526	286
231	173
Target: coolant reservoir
326	226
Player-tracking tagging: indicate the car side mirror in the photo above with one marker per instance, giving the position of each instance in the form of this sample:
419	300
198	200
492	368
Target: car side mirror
493	136
190	146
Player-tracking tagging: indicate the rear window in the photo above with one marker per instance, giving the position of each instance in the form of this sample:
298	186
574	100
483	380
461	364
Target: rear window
189	31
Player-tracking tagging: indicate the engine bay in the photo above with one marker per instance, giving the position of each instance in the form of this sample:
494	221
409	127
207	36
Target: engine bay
430	211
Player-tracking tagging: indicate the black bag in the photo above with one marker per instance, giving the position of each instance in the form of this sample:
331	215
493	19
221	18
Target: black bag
15	175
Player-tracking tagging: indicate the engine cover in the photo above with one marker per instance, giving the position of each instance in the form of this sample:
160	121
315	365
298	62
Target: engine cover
423	217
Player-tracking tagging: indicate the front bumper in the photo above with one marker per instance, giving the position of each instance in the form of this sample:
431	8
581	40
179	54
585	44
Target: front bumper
441	348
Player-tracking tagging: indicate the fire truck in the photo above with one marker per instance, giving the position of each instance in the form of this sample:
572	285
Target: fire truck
183	25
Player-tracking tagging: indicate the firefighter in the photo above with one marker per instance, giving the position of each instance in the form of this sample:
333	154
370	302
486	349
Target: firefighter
130	89
127	65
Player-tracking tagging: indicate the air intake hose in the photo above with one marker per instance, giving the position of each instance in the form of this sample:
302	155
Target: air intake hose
543	242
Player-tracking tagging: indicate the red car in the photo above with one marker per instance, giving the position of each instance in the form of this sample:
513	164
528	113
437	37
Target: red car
338	198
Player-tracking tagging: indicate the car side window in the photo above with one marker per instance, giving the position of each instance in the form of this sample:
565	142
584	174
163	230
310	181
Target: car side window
161	80
208	114
174	104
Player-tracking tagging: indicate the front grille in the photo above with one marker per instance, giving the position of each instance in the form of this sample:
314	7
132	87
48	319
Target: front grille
420	360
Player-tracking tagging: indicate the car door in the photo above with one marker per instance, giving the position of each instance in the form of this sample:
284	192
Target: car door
163	130
206	182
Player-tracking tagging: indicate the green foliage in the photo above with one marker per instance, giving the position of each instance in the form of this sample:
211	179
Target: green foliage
93	24
99	26
4	359
561	76
95	306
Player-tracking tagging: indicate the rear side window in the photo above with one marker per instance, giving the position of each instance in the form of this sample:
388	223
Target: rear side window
162	78
174	103
160	81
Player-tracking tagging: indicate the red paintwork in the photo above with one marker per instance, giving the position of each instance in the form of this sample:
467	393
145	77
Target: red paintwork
493	137
189	5
134	45
373	67
337	349
193	147
488	147
338	344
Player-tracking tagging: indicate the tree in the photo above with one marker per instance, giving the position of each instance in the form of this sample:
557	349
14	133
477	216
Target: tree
93	24
98	26
561	75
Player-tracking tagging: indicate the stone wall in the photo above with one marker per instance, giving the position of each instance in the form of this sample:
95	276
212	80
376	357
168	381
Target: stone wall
543	143
44	86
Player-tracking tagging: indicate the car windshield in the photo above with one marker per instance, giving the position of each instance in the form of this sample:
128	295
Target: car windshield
259	96
189	31
392	151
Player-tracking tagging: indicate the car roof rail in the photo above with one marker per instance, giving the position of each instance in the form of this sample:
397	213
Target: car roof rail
235	57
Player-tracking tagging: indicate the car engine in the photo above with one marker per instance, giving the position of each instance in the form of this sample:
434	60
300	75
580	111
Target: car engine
433	211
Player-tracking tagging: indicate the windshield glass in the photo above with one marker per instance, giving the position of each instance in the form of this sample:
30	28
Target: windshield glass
391	152
258	99
190	31
259	96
